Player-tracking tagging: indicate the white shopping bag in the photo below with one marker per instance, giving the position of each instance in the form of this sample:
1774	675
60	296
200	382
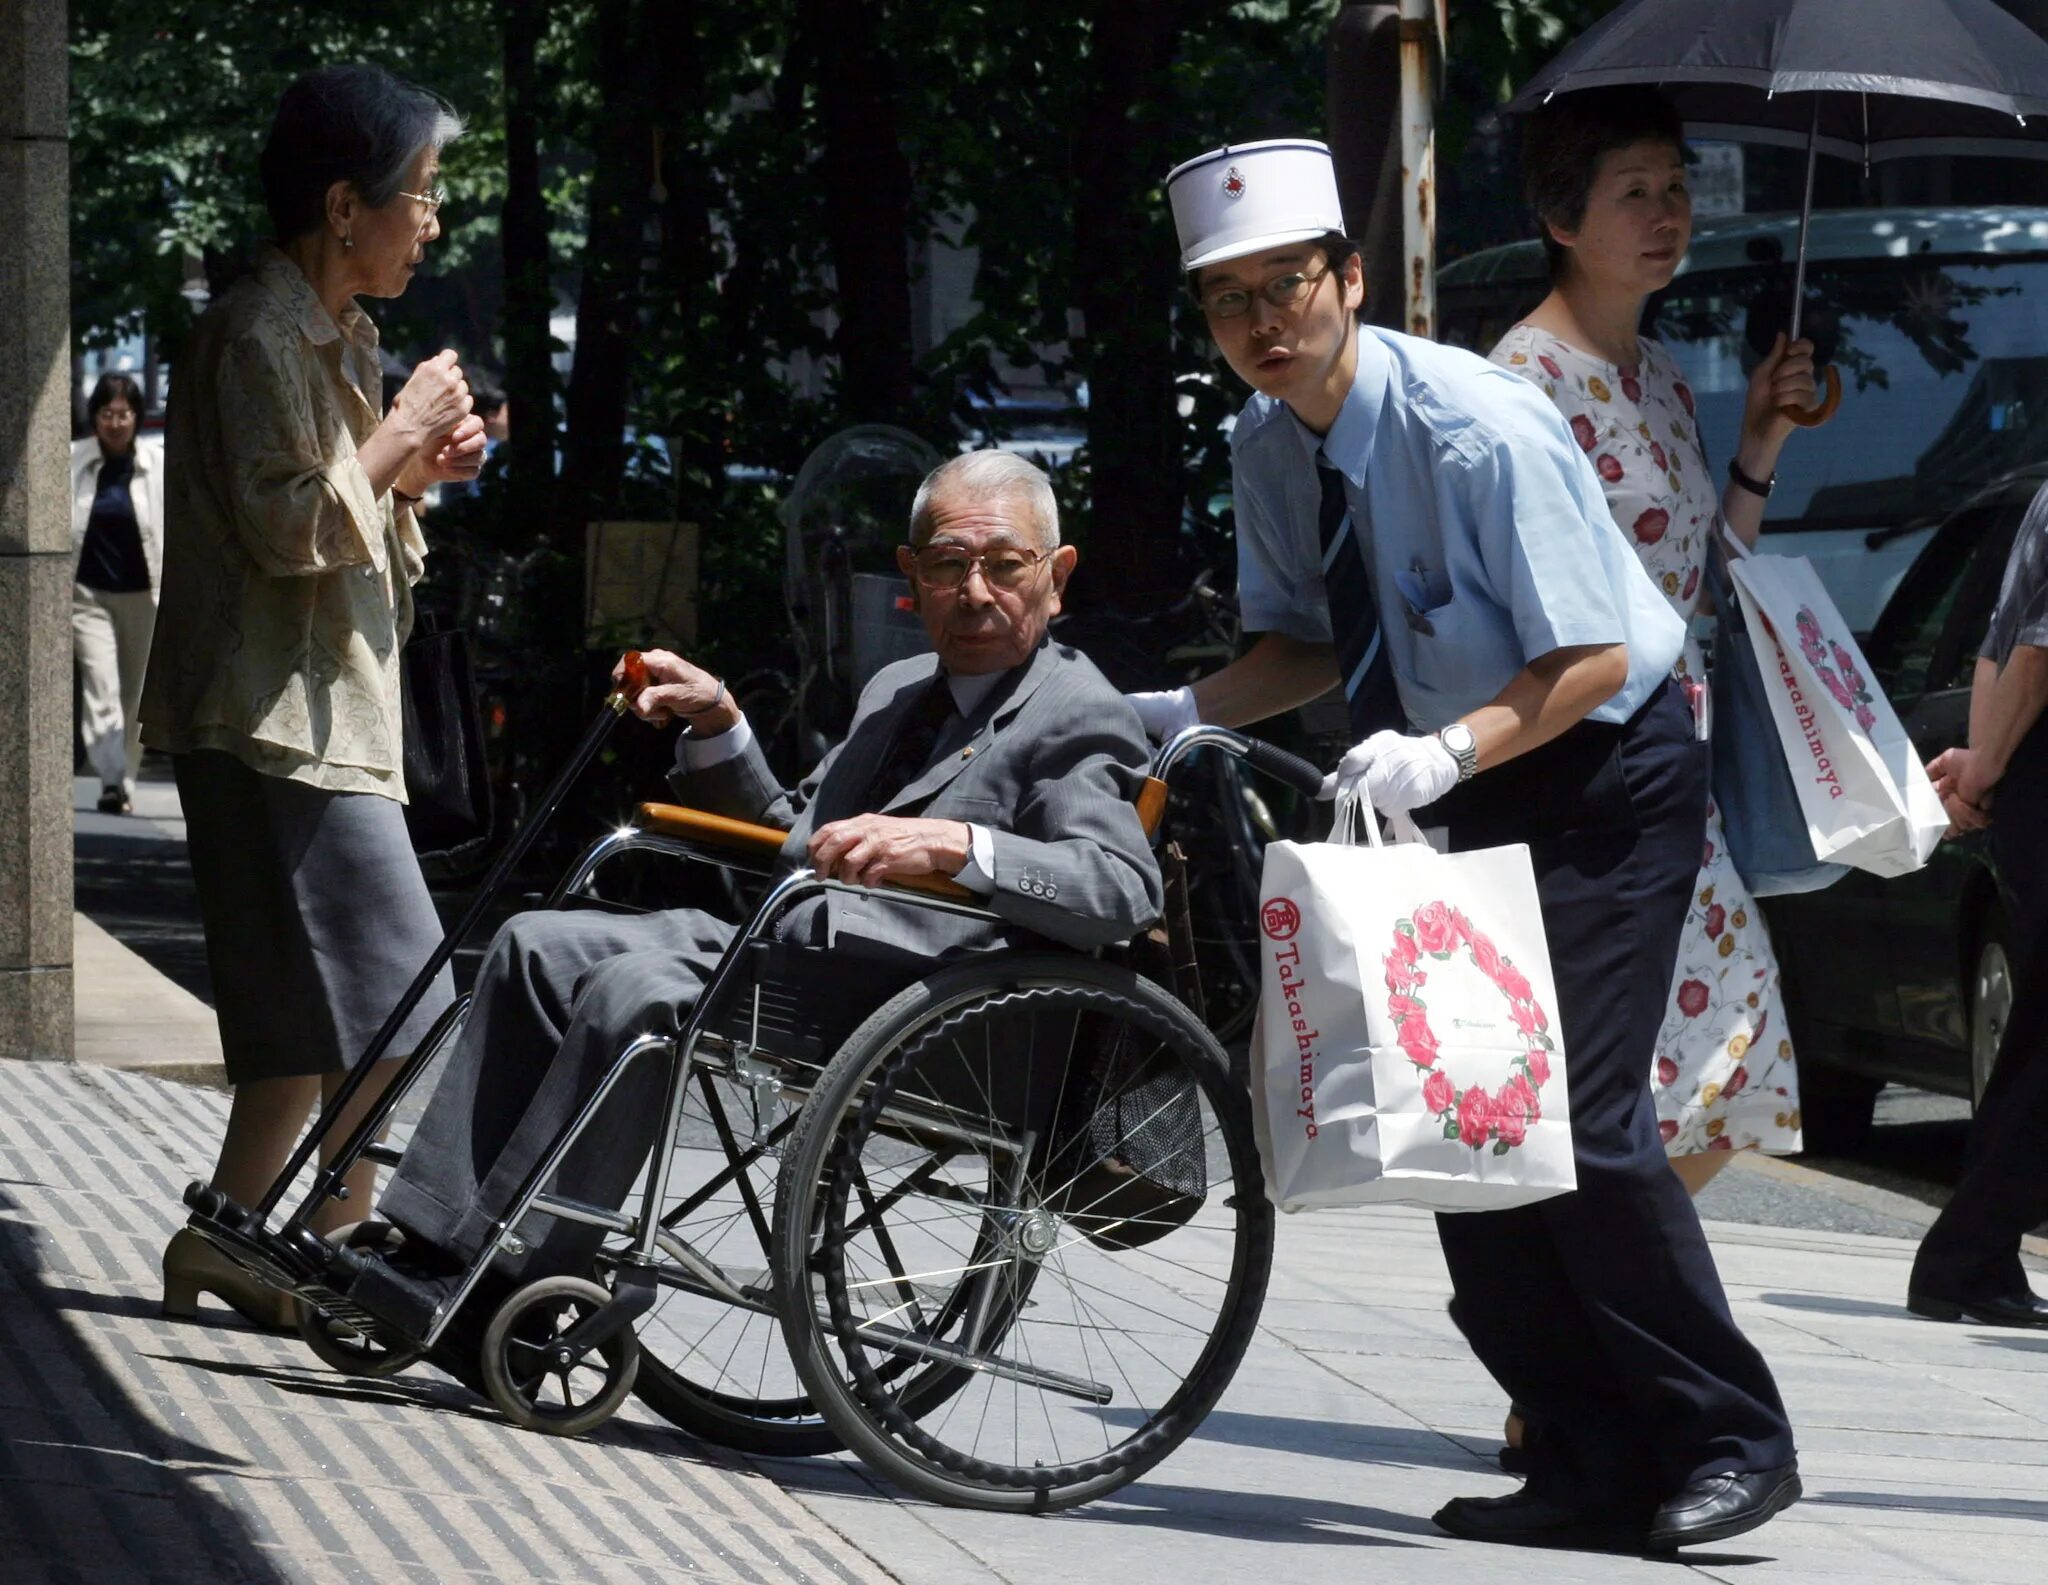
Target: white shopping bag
1866	797
1406	1046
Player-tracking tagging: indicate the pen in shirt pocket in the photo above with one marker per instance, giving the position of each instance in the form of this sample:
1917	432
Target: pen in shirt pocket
1413	586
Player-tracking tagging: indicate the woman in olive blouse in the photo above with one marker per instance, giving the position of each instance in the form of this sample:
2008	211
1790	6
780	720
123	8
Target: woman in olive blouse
291	545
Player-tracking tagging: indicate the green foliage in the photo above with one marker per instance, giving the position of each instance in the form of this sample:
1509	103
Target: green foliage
734	308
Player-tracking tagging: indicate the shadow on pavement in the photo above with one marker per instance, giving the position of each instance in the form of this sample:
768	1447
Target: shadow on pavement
1824	1304
91	1485
1924	1502
1308	1521
2026	1343
1409	1446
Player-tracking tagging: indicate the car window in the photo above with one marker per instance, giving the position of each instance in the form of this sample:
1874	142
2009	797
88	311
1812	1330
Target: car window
1903	646
1944	366
1955	658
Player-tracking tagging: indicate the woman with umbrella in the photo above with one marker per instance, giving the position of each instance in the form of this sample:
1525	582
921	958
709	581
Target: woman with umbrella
1605	176
1605	172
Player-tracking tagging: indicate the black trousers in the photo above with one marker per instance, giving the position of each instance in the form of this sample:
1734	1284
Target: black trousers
1600	1311
1973	1248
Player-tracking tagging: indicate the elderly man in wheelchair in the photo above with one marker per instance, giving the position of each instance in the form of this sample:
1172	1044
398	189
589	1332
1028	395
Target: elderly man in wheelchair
1021	1103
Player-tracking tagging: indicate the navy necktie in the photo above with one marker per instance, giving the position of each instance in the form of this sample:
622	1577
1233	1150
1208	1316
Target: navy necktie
917	738
1354	618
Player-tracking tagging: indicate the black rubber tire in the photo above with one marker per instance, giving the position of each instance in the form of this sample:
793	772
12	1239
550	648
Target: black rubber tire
509	1376
342	1347
882	1426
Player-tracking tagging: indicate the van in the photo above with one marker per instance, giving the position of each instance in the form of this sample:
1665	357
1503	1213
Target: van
1936	318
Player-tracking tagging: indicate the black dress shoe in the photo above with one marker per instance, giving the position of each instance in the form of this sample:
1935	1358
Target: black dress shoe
1720	1506
2025	1308
1526	1519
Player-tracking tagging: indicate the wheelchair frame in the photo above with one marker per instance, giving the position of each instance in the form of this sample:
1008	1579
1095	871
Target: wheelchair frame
654	1257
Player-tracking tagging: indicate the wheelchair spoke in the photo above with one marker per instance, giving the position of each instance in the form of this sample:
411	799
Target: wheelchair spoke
1085	1137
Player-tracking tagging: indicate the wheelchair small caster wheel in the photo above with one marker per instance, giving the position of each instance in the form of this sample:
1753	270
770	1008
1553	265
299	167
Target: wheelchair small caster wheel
341	1345
539	1385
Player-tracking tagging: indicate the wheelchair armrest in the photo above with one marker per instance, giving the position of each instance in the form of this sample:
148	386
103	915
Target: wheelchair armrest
698	825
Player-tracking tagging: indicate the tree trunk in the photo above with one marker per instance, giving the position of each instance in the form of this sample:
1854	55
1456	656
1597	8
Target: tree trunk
529	294
593	457
1363	103
867	207
1125	278
687	265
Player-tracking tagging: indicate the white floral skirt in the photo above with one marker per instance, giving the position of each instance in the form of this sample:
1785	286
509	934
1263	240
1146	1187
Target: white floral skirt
1723	1074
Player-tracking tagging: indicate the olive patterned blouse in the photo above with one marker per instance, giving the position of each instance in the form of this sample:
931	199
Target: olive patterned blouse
286	576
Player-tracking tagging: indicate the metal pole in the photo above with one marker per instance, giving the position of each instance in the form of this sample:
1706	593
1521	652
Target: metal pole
1805	219
1418	163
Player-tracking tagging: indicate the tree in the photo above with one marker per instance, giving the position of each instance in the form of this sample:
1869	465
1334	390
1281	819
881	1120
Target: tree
528	292
1124	286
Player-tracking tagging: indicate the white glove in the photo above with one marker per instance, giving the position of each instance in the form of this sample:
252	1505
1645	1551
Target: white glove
1164	714
1399	772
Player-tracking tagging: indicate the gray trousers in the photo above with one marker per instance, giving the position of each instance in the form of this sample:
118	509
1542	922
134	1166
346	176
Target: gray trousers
559	996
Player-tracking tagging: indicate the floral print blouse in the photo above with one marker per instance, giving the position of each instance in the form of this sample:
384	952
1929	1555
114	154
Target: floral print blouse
286	582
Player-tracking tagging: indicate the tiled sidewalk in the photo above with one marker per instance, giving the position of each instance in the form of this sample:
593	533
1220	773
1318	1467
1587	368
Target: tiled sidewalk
140	1449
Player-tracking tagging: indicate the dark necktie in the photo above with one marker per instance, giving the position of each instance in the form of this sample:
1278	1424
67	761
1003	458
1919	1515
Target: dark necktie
911	749
1354	618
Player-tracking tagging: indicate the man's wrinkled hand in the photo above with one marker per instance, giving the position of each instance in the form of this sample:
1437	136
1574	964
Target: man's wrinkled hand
674	687
1397	772
867	850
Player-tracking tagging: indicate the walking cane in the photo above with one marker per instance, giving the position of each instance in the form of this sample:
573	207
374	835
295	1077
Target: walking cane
209	1202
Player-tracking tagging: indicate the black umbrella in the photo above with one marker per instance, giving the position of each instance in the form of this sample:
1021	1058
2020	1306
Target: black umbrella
1862	79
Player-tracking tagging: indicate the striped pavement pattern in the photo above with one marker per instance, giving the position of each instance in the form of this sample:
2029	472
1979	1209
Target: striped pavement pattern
138	1449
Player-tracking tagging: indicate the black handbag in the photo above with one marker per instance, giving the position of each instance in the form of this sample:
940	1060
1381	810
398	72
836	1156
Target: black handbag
448	809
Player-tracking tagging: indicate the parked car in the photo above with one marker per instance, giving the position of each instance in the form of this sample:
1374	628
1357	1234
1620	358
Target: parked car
1910	979
1936	318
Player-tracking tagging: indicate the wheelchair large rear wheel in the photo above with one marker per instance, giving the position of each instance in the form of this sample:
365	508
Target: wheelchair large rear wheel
721	1370
718	1369
1056	1144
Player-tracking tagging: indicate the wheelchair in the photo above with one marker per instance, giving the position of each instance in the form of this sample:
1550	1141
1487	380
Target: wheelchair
1001	1232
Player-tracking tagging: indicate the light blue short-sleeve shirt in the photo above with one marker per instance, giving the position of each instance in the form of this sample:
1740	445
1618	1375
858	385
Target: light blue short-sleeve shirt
1487	533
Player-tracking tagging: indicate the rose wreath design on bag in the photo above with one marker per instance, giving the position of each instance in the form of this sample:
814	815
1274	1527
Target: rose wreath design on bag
1437	930
1844	679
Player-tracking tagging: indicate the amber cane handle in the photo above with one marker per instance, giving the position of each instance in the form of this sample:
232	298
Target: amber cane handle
632	679
1814	417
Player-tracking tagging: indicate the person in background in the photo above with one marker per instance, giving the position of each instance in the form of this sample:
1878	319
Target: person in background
117	520
291	544
1968	1266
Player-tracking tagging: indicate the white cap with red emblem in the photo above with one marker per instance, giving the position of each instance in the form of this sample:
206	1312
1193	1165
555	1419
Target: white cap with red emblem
1248	197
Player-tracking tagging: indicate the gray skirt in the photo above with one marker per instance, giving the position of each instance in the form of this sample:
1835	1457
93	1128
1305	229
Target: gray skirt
316	917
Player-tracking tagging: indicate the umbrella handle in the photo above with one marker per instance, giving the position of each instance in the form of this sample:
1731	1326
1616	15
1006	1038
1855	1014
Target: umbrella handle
1814	417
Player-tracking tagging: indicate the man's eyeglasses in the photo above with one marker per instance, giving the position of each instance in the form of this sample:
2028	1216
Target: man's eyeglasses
1283	291
940	568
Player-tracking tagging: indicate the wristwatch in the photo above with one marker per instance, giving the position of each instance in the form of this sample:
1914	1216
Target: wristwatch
1464	747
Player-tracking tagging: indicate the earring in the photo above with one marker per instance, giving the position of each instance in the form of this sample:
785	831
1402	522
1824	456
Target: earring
347	241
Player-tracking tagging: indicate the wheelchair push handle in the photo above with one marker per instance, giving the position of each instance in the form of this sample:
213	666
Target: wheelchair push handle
1269	758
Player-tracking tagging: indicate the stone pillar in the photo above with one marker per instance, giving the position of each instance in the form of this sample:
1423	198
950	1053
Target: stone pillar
35	533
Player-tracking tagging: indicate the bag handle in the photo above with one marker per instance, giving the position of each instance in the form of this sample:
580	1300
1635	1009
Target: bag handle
1355	813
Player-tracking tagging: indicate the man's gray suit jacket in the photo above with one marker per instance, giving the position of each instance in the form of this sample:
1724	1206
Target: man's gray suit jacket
1051	765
